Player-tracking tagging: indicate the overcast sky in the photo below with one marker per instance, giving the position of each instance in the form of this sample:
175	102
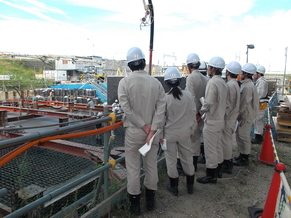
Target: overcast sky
109	28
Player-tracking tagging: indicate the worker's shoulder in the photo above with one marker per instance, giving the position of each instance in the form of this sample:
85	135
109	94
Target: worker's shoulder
197	75
187	93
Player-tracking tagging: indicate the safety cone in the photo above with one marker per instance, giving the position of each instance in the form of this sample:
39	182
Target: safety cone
267	151
271	201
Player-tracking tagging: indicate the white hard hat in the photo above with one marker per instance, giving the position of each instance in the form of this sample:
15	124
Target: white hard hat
172	73
192	59
261	69
134	54
116	100
234	67
217	62
249	68
88	99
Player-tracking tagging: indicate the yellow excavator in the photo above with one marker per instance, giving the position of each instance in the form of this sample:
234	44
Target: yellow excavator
93	73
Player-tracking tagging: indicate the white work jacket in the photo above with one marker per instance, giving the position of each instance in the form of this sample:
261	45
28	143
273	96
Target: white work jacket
142	99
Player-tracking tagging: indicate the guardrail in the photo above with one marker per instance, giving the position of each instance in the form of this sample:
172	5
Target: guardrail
90	195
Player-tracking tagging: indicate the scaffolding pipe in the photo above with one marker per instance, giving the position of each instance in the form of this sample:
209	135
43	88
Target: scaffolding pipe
3	192
41	201
39	135
106	156
36	127
20	149
66	212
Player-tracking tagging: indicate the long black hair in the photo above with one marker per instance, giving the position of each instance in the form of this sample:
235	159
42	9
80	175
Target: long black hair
175	89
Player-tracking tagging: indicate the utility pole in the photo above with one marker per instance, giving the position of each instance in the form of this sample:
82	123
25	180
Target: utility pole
286	51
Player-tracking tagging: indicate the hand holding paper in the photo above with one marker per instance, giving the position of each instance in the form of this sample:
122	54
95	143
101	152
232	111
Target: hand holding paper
146	147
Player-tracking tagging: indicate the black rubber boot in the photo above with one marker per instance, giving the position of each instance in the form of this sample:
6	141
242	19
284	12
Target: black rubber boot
209	178
173	186
242	161
150	199
190	183
257	140
238	157
201	158
227	166
180	168
135	204
195	159
219	170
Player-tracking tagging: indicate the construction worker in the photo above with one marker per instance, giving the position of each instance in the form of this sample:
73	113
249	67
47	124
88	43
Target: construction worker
178	130
115	104
196	84
262	89
116	107
213	111
249	105
143	101
233	69
90	104
51	94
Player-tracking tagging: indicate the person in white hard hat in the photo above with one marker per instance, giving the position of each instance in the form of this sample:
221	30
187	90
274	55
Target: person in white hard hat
178	131
90	104
196	85
233	69
214	110
262	89
249	105
142	99
116	107
115	103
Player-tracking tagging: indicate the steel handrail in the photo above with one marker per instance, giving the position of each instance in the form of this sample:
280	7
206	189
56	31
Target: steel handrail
9	156
41	201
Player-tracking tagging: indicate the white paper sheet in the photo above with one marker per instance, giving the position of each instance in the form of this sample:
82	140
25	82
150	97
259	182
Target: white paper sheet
236	125
146	147
164	145
202	100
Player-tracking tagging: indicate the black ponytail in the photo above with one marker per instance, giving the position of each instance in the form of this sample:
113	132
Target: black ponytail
175	90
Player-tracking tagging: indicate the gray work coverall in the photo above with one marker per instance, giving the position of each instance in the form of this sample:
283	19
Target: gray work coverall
262	89
249	105
231	114
214	108
180	124
196	85
143	101
91	104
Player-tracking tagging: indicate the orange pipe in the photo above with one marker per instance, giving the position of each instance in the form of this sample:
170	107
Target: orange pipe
12	154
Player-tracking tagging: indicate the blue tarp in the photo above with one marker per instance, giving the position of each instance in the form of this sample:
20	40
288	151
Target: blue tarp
84	86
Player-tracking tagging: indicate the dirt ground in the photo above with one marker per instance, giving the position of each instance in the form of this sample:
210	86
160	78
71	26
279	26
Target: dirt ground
229	198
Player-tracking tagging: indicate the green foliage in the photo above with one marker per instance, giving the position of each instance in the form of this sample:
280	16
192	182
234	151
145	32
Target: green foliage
22	74
18	69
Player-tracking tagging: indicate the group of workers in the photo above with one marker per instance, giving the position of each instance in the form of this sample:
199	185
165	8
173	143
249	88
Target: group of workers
207	112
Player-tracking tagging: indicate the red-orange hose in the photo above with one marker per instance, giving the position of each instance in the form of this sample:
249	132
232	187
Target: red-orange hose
12	154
